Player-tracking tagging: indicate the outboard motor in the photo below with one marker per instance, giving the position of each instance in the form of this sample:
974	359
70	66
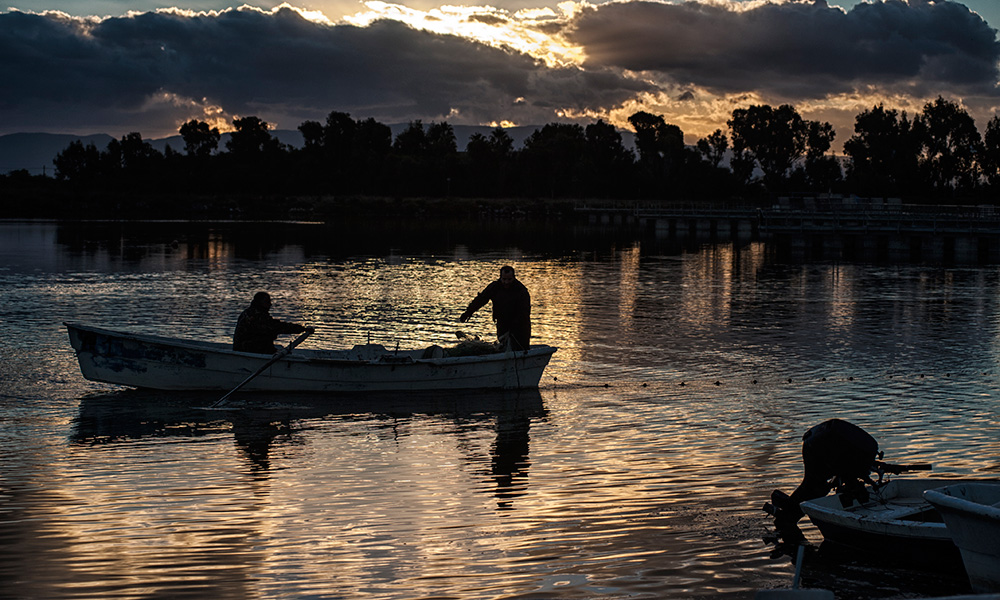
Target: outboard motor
835	454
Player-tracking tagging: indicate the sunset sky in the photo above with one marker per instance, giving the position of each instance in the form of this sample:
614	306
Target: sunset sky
108	66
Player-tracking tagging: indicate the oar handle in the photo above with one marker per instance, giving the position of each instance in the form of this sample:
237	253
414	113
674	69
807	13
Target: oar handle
302	337
277	356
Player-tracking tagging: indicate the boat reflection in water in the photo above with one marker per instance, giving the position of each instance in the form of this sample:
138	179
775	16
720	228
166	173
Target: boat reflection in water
260	422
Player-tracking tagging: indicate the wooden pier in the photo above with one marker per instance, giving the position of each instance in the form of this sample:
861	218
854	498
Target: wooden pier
827	228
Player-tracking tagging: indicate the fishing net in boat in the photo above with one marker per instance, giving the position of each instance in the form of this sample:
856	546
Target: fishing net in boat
467	346
471	345
472	348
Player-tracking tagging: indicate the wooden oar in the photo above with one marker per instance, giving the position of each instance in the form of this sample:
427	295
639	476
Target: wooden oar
277	356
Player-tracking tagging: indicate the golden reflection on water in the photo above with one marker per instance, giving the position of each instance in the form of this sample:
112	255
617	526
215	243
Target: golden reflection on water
629	287
676	402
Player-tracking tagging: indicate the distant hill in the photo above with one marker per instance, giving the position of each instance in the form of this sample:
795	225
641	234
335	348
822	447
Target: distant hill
34	152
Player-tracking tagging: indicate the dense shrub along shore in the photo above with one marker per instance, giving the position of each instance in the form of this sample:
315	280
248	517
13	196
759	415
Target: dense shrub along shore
356	167
36	202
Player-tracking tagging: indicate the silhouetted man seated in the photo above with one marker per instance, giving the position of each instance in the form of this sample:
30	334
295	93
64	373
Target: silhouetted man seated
511	309
835	454
256	329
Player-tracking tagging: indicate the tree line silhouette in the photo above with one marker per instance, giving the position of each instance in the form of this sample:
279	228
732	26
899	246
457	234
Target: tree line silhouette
937	156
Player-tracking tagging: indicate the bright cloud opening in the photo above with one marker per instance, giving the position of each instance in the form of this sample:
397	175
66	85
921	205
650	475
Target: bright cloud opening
485	24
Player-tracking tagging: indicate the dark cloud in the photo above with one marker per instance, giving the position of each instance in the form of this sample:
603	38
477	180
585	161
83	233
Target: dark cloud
69	74
804	49
150	71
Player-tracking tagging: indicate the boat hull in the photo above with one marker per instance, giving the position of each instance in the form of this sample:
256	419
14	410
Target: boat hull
155	362
971	512
896	524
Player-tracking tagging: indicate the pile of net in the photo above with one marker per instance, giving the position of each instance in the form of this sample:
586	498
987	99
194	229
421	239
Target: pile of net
467	346
472	348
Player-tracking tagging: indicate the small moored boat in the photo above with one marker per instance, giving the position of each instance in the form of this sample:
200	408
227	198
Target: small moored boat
971	512
162	363
895	523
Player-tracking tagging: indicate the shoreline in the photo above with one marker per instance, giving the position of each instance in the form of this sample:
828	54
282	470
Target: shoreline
121	206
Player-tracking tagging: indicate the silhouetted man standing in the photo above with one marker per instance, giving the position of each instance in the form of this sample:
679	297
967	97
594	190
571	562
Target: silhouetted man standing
511	308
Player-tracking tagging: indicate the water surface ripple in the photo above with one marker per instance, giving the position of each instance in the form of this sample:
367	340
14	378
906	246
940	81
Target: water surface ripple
685	378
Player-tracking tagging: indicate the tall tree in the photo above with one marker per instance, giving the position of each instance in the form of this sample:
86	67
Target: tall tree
951	144
713	148
658	142
490	159
604	144
607	161
661	152
372	146
200	140
412	141
137	154
338	138
441	151
501	144
252	137
989	161
497	147
373	140
440	140
822	171
774	138
883	152
312	136
78	163
551	159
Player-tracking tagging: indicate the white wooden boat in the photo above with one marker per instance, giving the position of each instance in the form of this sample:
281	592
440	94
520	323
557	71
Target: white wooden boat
971	512
155	362
896	523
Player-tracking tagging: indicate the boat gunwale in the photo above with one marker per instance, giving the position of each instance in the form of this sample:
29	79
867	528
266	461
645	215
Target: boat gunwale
306	355
943	497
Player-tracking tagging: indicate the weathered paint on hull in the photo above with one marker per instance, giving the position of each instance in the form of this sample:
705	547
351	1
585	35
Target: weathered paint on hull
154	362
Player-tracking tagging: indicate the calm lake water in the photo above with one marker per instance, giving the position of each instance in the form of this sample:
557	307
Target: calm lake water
685	377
